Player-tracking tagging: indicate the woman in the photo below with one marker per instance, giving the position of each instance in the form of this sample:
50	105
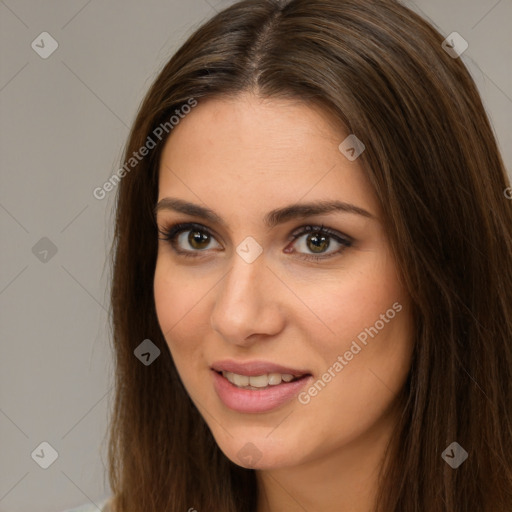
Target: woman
312	286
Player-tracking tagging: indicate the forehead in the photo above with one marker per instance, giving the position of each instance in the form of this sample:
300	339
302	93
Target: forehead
252	152
246	124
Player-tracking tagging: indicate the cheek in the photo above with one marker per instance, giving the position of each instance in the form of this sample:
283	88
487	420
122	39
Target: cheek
175	295
178	320
359	381
176	303
167	306
347	306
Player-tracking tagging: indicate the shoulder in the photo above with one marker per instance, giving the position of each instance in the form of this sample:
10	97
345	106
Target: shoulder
91	507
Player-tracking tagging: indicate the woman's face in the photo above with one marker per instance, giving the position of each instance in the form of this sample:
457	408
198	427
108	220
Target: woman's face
242	286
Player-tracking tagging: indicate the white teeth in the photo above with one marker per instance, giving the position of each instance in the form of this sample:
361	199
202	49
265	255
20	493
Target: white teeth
274	379
260	381
257	381
240	380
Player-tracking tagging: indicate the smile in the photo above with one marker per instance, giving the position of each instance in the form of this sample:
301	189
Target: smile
258	381
267	395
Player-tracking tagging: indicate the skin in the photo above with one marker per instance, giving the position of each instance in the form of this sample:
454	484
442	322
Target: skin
243	157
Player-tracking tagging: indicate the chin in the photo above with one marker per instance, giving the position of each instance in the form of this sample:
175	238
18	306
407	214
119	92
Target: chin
253	451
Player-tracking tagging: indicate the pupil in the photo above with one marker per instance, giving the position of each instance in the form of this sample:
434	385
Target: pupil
319	242
196	238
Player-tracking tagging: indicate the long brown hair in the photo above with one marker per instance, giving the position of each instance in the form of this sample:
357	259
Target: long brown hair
433	161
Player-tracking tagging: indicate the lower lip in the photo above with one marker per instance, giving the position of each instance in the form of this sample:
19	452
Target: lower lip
256	401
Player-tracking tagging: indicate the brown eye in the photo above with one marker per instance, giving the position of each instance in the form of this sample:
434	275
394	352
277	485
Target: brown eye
312	242
317	243
198	239
188	239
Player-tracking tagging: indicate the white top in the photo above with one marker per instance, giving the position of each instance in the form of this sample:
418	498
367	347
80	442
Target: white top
91	507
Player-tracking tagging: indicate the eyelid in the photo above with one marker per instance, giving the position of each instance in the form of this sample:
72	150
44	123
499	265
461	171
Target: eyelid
173	231
341	239
312	228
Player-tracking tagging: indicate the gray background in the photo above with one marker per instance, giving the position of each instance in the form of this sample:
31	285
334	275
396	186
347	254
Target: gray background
64	121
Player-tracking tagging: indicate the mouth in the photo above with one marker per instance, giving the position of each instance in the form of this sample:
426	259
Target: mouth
259	382
255	368
257	386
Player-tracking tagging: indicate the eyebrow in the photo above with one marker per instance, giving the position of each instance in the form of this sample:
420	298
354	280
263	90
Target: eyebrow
272	218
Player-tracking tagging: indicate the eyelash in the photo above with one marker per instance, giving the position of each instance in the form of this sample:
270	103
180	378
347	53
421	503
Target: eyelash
171	233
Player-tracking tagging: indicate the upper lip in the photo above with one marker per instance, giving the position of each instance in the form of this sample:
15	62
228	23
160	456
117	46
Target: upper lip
253	368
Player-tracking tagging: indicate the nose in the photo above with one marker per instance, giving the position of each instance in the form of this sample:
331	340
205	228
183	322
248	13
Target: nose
248	305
